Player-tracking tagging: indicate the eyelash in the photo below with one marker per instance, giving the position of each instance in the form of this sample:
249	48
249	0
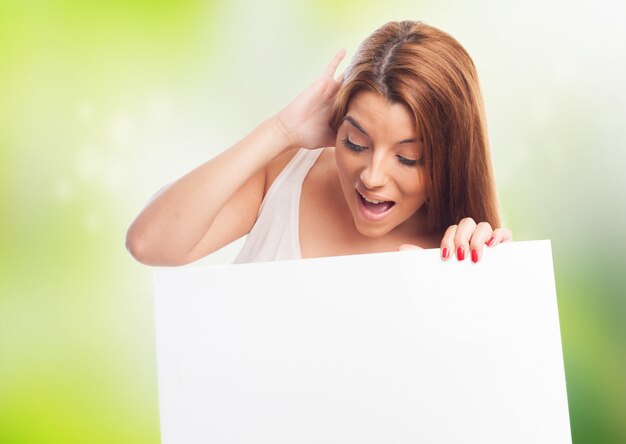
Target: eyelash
359	148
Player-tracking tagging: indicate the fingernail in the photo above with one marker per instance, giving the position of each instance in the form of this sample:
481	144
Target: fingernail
460	253
474	256
490	241
445	253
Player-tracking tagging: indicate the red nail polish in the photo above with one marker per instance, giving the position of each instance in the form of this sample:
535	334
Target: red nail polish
474	256
460	253
490	241
446	253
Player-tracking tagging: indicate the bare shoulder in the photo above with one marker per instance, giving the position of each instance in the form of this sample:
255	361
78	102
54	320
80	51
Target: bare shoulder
278	164
324	166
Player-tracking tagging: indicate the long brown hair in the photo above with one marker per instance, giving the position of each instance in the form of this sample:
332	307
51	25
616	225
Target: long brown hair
430	72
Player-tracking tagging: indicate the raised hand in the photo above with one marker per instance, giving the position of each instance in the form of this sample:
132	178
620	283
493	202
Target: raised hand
305	119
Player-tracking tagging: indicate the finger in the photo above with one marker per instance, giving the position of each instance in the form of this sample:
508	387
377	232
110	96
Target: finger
463	236
334	63
499	236
341	77
335	85
405	247
479	238
447	243
507	235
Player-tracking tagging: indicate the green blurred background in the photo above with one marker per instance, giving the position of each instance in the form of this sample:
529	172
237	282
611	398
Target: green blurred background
102	103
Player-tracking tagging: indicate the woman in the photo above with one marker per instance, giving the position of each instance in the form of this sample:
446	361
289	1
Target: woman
392	157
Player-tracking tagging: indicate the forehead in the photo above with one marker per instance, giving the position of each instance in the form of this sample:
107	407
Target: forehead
375	112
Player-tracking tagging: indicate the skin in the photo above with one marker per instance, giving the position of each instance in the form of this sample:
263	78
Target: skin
374	140
328	226
218	201
377	127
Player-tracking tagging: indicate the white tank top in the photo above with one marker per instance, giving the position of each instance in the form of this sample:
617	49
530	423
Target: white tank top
276	233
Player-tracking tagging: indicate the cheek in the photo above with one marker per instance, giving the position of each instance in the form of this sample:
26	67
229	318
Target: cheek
345	164
414	186
341	171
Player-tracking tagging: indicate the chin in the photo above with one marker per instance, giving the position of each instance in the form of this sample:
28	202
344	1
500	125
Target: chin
370	231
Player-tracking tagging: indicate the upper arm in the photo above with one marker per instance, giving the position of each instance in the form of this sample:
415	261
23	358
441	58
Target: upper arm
234	220
237	217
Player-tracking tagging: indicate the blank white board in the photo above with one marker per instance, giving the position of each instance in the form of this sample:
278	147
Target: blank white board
380	348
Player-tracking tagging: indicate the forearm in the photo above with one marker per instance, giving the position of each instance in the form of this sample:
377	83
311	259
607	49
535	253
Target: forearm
180	215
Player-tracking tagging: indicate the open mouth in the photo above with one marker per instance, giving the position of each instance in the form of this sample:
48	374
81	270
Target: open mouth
374	209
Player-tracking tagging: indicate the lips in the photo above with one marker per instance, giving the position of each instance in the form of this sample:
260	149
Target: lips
374	209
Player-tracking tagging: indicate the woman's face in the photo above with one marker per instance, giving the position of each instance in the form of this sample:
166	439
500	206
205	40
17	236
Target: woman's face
378	154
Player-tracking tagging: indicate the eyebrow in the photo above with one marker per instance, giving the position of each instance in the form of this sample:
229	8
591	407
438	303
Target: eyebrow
360	128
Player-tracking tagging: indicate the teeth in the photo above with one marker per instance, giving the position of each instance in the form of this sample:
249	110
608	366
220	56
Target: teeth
372	201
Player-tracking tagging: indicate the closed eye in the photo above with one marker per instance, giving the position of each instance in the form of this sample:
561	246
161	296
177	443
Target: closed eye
358	148
353	146
407	162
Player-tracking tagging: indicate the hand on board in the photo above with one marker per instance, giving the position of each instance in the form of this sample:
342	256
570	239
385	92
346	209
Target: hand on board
468	238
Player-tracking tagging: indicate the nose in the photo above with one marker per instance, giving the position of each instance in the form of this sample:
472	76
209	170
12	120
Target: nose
374	175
